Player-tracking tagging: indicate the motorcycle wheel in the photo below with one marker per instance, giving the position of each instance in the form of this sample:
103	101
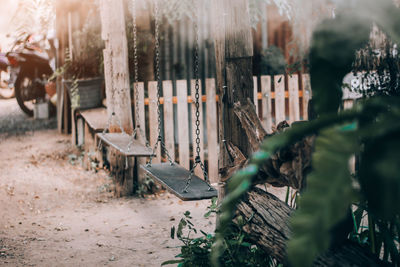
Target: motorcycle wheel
23	86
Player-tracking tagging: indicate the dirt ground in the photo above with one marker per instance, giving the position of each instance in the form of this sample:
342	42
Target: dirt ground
54	213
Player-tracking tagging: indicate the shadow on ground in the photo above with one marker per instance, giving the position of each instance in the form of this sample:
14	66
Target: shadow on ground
13	121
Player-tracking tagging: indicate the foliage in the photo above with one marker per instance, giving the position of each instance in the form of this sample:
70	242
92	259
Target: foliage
195	251
379	235
270	62
74	94
87	60
370	130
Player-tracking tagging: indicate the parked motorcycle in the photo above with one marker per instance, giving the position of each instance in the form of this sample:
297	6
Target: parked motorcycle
30	70
6	92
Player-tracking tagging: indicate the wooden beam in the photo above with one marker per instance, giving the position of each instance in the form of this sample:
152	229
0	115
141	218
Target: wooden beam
233	52
116	69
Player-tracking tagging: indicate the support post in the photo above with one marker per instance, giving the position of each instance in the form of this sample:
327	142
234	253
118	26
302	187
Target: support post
116	73
233	52
116	69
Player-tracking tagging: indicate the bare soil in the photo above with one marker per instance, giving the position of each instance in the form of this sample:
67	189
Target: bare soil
54	213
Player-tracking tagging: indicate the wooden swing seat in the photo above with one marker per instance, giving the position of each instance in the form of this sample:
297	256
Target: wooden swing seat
174	178
120	142
95	118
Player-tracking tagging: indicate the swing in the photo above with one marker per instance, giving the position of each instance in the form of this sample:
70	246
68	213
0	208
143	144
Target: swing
178	180
127	144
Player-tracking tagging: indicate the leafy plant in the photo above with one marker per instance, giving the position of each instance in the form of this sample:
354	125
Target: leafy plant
87	59
195	251
270	62
370	130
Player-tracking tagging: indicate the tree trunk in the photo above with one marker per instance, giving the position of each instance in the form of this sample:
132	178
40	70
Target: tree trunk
288	167
269	228
233	51
116	72
116	69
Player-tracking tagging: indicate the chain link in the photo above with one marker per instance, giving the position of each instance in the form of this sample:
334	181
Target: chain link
158	78
136	68
136	83
197	161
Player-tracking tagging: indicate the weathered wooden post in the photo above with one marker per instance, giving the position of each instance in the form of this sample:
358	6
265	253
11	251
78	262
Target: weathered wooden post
116	69
233	51
116	73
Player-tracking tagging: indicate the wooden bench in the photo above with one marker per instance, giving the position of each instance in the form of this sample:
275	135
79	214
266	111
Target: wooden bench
88	123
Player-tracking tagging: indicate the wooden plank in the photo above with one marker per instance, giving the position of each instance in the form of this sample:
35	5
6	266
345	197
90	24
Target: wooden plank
96	118
169	138
80	131
294	104
348	103
237	23
66	112
198	171
73	126
266	103
174	178
99	152
212	131
255	96
125	144
88	145
306	94
116	66
183	124
279	82
153	120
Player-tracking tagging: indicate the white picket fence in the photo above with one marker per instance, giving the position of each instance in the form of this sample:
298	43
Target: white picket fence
276	99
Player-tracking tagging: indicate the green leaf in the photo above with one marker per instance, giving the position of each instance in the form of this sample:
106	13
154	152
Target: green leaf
171	262
208	213
181	225
379	175
246	244
326	199
328	63
173	232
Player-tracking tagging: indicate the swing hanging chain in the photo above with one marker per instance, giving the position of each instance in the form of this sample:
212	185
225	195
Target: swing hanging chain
197	161
136	64
158	78
136	85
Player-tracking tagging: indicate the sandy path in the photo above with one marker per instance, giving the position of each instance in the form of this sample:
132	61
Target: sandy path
53	213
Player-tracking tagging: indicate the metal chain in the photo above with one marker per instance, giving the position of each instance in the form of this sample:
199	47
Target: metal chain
158	78
136	81
197	161
136	68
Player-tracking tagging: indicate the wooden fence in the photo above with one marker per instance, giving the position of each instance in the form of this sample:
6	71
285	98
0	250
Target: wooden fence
276	99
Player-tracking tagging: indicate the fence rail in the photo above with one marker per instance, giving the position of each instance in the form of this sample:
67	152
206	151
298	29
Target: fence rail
276	99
